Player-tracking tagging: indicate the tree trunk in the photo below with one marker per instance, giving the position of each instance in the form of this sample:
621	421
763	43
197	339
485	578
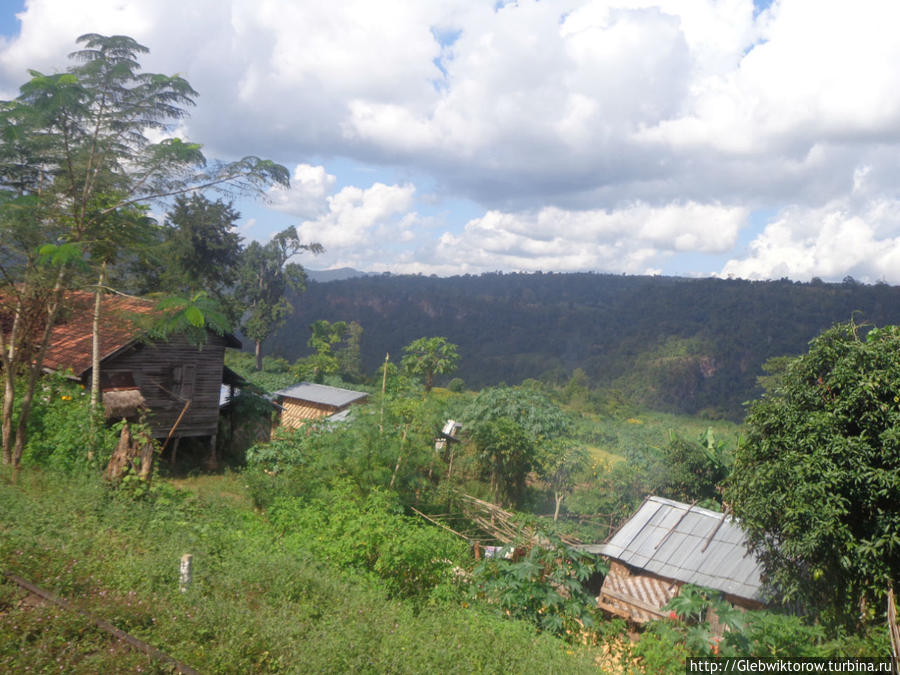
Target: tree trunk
494	486
399	458
122	456
558	497
95	341
259	355
383	390
9	392
212	461
34	369
10	366
146	458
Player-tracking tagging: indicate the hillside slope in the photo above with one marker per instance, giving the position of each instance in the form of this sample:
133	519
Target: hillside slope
681	345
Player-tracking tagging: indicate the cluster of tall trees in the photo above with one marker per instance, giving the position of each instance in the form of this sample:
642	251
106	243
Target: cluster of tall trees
80	167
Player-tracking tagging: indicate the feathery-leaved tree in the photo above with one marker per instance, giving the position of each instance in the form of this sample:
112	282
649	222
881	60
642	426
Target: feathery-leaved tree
77	169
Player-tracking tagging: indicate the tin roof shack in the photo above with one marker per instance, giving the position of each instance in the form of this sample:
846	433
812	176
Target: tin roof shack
307	401
667	544
175	380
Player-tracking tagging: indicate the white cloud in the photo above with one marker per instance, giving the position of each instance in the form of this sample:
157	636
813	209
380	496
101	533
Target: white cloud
824	72
635	239
838	239
361	218
307	195
594	134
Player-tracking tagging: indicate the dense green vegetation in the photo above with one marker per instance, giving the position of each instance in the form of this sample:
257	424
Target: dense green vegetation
262	600
817	481
692	346
334	570
353	546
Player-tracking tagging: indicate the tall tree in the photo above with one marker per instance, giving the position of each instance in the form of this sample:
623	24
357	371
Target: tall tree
199	247
816	482
429	357
265	276
77	157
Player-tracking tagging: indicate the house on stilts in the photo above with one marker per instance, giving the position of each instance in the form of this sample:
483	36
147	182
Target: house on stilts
174	382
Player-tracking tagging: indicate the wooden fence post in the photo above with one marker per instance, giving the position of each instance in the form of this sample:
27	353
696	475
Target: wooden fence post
187	561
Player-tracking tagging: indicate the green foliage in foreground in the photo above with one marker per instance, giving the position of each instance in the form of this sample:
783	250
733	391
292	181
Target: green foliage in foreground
545	587
61	434
371	534
817	482
686	631
259	602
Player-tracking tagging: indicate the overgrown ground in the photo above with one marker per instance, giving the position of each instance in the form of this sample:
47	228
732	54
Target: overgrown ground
613	438
260	602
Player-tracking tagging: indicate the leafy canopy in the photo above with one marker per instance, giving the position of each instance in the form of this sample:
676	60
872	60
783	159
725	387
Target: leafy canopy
510	428
817	481
429	357
265	275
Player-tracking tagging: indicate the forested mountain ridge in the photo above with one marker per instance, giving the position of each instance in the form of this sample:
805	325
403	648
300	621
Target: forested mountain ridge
677	344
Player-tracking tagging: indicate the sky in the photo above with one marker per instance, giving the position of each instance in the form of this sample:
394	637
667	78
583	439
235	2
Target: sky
678	137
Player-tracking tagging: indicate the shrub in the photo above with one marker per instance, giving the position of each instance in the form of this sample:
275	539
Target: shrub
546	587
62	432
370	534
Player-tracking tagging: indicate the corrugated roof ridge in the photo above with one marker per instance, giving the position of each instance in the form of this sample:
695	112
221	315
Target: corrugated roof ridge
284	392
681	505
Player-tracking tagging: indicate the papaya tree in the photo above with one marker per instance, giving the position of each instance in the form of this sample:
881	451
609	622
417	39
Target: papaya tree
509	427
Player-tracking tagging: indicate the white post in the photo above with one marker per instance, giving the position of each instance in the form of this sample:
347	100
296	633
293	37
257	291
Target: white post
185	580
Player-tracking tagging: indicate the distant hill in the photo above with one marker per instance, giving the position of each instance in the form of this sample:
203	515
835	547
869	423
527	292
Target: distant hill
674	344
334	275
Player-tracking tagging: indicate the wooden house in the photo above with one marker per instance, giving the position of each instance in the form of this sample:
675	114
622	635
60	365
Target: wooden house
667	544
308	401
175	381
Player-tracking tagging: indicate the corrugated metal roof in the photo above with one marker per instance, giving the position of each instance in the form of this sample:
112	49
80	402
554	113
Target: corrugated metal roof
322	394
669	538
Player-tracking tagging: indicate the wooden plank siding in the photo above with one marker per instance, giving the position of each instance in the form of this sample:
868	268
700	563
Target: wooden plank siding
169	374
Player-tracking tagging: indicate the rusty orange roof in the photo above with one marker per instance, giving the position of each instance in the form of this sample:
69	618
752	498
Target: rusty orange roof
71	339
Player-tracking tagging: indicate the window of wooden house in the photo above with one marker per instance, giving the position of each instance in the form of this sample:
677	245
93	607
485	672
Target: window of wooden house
186	386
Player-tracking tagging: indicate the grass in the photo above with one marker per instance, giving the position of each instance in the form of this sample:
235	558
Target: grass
611	439
259	603
229	486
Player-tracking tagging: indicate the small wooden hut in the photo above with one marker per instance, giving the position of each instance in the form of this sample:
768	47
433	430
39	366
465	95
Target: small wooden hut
667	544
173	380
308	401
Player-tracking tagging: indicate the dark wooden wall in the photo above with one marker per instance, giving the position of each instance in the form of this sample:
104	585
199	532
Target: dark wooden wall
171	373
